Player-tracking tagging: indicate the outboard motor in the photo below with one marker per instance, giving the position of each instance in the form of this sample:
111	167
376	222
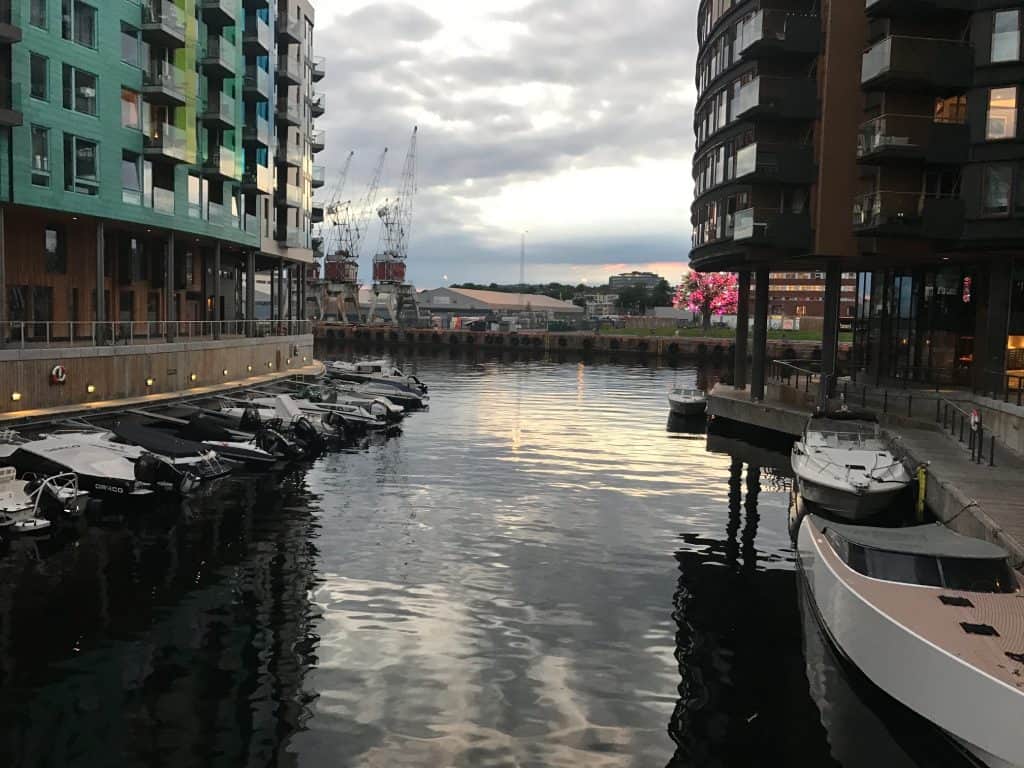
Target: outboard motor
308	437
273	442
250	419
154	471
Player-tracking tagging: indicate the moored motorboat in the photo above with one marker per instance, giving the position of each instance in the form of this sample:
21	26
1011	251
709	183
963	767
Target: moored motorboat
843	466
377	372
930	617
687	402
27	503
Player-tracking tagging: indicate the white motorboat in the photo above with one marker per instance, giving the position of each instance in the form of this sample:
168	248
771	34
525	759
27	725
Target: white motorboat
376	371
932	618
683	401
102	467
290	408
132	440
843	466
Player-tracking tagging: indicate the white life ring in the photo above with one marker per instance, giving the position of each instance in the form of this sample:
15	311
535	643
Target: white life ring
975	420
59	374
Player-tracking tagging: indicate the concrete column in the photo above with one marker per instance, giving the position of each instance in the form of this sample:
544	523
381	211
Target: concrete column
759	353
273	293
217	318
170	295
742	331
250	292
992	350
5	334
303	273
101	281
290	306
280	289
830	332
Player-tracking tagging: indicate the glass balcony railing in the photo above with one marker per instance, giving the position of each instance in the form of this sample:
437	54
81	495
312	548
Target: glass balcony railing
257	81
163	200
743	225
294	238
289	112
289	29
220	108
163	22
319	68
164	83
257	37
167	142
252	224
318	141
318	104
746	161
290	195
288	68
225	11
918	62
221	54
292	155
257	132
260	178
223	162
318	177
749	96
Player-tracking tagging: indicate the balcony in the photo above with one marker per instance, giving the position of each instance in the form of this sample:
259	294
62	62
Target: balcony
895	8
256	84
781	34
164	84
913	139
256	133
10	22
10	104
258	179
222	163
318	104
289	195
221	57
919	64
772	229
219	13
163	24
316	214
220	111
289	29
319	176
776	164
289	71
163	201
167	143
318	141
292	155
251	224
221	216
257	39
292	238
318	66
908	214
288	112
777	98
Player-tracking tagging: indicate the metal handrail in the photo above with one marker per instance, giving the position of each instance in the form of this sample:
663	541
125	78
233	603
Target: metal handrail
28	334
790	374
1008	383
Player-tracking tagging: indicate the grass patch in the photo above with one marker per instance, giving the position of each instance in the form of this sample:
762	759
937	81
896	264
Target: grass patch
718	333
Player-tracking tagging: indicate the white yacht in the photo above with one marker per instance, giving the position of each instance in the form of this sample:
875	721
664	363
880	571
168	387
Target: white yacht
687	402
934	619
376	371
844	467
25	503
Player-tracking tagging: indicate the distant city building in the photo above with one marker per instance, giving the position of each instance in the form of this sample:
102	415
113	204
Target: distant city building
647	280
802	294
600	304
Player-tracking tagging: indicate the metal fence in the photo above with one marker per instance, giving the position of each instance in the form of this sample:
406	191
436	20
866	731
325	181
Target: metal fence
30	335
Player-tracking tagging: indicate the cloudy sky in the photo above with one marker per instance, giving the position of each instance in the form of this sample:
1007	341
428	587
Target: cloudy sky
570	119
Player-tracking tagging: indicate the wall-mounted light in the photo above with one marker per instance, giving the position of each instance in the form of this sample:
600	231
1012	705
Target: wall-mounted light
15	396
225	371
288	361
305	359
270	364
150	381
248	368
192	377
91	389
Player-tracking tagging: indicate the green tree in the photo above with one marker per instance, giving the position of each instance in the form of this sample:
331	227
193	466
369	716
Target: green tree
662	295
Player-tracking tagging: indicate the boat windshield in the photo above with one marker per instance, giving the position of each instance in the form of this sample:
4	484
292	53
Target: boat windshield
991	575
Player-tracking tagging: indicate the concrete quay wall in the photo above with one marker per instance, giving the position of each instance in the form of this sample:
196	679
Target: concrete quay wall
543	341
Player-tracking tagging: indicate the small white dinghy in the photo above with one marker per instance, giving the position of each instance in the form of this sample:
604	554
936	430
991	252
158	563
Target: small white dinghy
934	619
687	402
843	466
24	503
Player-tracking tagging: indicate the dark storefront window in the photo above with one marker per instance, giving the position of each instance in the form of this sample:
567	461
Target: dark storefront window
55	250
1015	342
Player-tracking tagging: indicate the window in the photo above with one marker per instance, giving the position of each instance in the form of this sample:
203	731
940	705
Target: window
78	22
40	156
131	109
37	13
996	182
130	48
79	90
952	109
55	250
1002	113
39	82
81	165
131	178
1005	36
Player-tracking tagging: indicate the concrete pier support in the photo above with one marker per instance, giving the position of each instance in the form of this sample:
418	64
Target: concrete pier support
759	352
170	297
742	331
217	318
101	278
290	306
996	321
830	333
280	289
250	291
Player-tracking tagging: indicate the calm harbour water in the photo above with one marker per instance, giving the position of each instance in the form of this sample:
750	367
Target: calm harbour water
535	573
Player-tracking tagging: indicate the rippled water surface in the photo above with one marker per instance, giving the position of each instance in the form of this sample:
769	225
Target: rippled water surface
535	573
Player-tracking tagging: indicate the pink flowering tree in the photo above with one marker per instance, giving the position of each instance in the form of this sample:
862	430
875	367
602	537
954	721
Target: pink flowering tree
709	293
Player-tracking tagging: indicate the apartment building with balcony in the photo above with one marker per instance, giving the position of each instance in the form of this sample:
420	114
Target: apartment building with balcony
877	137
140	172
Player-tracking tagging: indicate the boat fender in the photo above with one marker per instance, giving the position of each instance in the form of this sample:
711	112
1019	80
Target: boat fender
922	490
58	375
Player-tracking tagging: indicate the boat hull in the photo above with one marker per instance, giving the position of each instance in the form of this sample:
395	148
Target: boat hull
687	409
847	504
981	713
